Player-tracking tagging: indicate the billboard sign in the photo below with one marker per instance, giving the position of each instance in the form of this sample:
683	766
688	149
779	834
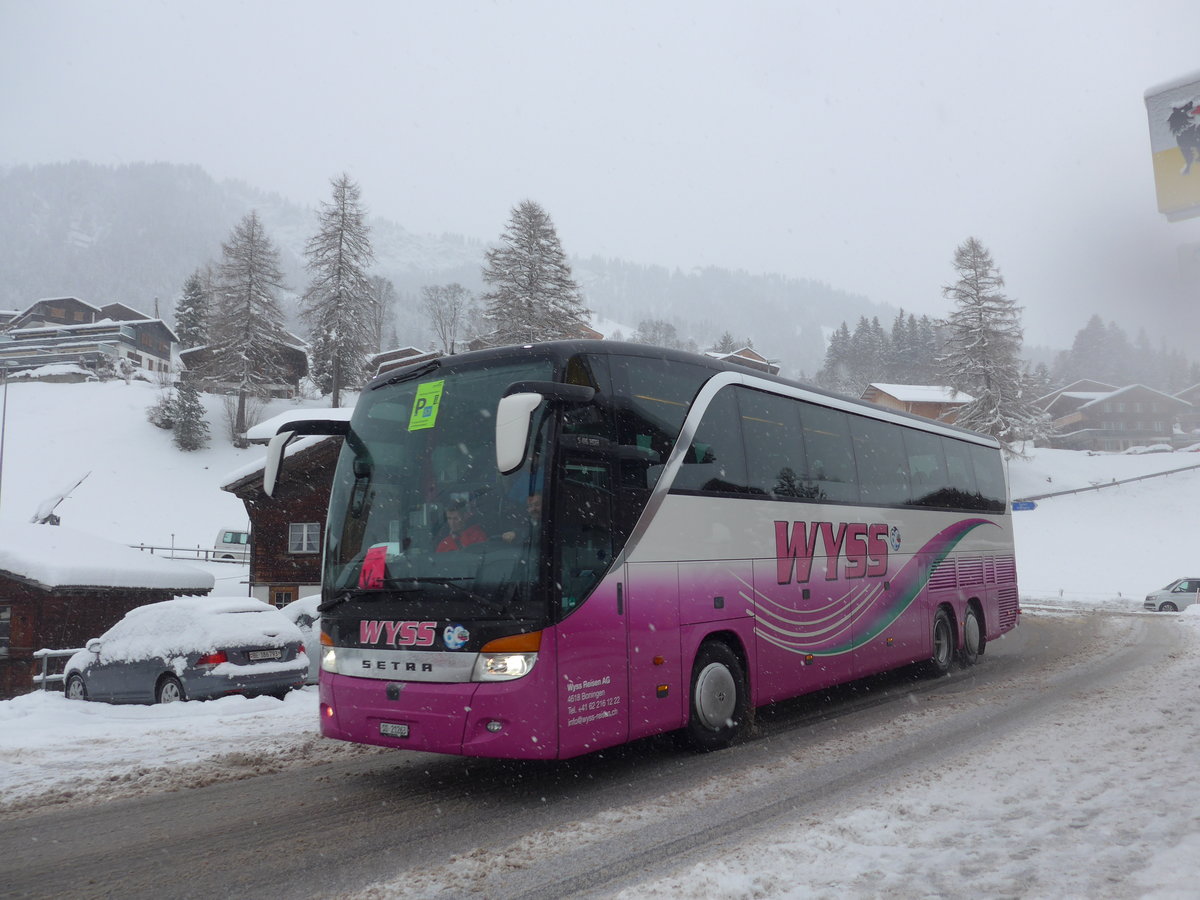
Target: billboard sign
1174	112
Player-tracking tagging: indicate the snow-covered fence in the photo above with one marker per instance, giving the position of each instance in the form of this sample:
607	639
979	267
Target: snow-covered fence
46	678
1099	486
197	553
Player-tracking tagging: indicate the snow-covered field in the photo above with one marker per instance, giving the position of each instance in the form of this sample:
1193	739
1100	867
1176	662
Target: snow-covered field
1098	802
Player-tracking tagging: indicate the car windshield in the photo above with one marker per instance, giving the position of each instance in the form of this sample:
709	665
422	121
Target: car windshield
419	509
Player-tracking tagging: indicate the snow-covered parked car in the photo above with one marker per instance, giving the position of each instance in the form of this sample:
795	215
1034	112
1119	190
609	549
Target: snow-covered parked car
304	614
1177	595
190	648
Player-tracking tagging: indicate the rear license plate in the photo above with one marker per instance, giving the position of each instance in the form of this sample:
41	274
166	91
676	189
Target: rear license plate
391	729
256	655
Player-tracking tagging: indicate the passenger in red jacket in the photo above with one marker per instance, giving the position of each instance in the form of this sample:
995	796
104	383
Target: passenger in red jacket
463	531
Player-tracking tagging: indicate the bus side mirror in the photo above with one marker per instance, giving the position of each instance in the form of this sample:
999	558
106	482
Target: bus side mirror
513	415
275	460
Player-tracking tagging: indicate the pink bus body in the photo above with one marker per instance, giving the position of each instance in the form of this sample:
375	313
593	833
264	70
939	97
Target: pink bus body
791	597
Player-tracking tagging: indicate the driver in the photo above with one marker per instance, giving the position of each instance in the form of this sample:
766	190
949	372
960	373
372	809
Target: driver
463	530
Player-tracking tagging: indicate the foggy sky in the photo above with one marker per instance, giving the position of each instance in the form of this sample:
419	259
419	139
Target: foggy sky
853	143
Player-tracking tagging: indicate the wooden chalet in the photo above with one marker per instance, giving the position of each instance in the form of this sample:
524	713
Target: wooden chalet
293	356
67	330
926	400
60	588
401	356
288	528
1188	419
1092	416
748	357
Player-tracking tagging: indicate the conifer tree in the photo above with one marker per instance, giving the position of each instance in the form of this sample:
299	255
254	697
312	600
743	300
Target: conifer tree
191	313
191	429
835	372
339	304
983	340
532	295
247	330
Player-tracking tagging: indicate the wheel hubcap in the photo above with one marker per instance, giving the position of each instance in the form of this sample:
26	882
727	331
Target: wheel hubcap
716	696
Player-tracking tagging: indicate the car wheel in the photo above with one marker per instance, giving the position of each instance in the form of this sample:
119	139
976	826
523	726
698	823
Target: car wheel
943	645
720	705
972	643
1168	607
169	690
75	689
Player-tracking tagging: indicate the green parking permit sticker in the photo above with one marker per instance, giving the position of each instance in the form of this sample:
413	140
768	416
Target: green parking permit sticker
425	409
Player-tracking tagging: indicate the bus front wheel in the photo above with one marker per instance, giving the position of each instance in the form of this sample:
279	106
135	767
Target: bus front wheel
720	708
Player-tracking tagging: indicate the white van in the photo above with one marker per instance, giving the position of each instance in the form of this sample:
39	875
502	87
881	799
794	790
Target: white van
232	545
1179	594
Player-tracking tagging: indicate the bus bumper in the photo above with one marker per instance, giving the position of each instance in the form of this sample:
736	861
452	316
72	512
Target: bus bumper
491	720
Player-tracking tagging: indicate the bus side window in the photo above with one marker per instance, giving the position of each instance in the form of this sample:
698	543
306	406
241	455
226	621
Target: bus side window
775	459
716	461
882	466
931	484
961	474
989	476
830	453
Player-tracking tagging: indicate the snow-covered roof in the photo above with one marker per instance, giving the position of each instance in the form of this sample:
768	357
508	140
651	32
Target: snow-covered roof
1134	388
297	446
923	393
56	557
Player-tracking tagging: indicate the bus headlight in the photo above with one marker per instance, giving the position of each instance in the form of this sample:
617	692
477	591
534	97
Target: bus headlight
507	658
329	659
503	666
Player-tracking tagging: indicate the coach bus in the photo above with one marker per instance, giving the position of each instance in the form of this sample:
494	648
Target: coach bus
545	550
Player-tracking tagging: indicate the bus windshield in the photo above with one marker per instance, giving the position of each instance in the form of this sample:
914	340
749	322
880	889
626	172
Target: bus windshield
419	510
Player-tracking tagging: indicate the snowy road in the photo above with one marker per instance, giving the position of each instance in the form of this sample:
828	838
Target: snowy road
418	825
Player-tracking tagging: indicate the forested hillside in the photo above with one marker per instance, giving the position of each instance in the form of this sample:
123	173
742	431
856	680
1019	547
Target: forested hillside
134	233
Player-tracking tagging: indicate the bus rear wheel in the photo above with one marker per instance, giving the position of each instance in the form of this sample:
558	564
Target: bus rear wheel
972	642
939	662
720	704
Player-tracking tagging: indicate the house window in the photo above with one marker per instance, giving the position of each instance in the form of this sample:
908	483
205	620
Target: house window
304	537
57	312
281	597
5	635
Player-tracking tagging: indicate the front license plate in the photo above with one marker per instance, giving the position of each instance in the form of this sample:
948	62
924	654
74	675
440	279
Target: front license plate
391	729
256	655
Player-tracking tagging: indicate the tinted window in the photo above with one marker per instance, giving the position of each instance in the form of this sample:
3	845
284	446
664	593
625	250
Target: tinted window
830	454
882	465
651	399
989	477
776	462
715	461
928	472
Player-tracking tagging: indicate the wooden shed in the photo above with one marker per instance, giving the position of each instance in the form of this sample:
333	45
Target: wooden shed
59	588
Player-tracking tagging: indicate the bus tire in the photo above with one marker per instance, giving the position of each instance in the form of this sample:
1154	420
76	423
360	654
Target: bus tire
720	702
972	638
939	662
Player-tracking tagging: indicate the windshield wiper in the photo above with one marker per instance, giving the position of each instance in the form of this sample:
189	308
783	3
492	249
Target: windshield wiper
403	376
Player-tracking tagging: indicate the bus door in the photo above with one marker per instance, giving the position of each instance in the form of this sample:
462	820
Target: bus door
593	683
